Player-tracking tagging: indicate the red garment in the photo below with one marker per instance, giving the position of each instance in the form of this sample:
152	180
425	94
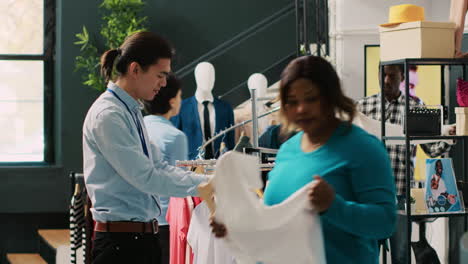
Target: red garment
197	200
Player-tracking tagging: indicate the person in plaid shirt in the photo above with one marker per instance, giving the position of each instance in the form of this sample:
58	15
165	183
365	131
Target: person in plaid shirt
394	114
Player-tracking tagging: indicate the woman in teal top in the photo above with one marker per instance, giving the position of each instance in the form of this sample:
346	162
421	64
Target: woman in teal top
353	187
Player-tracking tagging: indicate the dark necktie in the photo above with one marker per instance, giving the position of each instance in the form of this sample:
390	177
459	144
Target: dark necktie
207	130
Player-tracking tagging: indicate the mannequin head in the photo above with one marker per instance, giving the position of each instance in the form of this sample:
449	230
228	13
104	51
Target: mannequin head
205	77
258	82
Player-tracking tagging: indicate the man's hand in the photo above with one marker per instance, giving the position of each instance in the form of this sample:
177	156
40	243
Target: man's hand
321	194
219	230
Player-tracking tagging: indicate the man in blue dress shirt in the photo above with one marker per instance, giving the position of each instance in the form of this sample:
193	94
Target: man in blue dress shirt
124	172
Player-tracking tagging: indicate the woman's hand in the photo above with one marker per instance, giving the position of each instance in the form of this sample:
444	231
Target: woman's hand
321	194
218	229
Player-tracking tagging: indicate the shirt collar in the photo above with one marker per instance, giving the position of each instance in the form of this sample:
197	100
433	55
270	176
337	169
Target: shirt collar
203	97
400	99
159	119
132	104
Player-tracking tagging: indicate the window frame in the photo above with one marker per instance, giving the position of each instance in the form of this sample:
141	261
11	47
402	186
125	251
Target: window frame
48	59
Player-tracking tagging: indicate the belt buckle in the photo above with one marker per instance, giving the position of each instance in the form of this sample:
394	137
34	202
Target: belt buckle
154	226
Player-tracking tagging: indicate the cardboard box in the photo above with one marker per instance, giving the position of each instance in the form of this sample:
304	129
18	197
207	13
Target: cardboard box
462	121
419	207
421	39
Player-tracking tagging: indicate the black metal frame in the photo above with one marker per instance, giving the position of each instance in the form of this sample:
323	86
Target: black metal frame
47	57
302	26
407	63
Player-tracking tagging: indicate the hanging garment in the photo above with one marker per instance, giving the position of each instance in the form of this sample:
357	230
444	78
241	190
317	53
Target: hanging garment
275	234
206	248
77	224
178	217
188	249
424	253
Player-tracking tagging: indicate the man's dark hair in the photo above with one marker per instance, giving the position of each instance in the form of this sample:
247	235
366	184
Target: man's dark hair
160	103
400	67
145	48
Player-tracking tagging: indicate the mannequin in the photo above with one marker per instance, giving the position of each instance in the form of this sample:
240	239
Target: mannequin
191	119
205	78
259	82
243	112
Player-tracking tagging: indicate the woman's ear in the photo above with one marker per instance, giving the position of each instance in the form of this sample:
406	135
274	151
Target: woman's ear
172	102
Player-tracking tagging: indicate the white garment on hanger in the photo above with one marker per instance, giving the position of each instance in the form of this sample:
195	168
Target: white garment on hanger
207	249
289	231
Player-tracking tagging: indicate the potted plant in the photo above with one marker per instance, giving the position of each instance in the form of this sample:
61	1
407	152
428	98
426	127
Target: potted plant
120	19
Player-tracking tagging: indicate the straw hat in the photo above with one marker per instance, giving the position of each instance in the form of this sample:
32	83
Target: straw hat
404	13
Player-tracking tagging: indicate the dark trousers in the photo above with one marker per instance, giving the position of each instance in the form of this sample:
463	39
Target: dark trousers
398	242
120	248
164	238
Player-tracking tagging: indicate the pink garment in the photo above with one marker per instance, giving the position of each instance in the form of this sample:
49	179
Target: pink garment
188	249
462	93
178	217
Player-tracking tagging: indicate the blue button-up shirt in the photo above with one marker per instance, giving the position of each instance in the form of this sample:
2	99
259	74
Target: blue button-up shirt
122	182
173	145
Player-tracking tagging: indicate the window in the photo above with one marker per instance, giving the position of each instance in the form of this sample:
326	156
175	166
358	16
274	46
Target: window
27	34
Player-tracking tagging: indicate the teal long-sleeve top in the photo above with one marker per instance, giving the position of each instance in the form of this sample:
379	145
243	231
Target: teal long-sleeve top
356	164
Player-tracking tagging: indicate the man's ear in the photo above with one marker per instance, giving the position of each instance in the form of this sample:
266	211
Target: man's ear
133	69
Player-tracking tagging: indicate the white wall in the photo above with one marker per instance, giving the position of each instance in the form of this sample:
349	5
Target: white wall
356	24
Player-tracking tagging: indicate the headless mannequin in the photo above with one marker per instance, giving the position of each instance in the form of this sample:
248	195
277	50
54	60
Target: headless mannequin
458	10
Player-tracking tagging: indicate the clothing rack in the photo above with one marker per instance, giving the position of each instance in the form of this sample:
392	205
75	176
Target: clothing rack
212	162
224	132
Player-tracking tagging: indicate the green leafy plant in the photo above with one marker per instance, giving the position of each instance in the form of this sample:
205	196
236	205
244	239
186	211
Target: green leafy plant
120	19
